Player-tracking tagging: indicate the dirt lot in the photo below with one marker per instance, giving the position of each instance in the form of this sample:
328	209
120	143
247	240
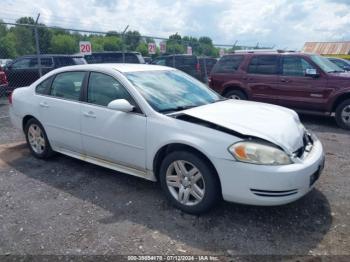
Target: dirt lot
66	206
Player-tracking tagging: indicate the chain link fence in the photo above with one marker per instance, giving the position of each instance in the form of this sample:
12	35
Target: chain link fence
29	50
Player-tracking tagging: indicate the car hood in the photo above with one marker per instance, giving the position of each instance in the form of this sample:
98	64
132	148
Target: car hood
275	124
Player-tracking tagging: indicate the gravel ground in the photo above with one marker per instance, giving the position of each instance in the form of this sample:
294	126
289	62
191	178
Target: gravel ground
65	206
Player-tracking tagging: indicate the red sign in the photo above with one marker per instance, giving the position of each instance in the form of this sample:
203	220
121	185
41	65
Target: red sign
189	50
222	52
162	47
85	47
152	48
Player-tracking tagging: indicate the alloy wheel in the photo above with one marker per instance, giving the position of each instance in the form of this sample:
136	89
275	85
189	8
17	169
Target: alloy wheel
185	182
36	139
345	114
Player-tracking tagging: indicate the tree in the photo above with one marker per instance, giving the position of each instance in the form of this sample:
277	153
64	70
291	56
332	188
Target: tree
132	39
112	43
7	46
174	44
3	29
63	44
143	49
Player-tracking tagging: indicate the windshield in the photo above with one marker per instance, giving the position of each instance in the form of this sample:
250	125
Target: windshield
325	64
171	90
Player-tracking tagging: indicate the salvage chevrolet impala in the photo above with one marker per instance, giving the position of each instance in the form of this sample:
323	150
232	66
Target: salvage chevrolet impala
160	124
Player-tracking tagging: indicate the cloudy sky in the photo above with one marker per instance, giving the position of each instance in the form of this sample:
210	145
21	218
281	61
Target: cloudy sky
284	23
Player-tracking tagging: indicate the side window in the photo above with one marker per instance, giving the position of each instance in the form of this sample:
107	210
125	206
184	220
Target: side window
131	58
22	63
228	64
263	64
44	87
295	66
67	85
159	61
102	89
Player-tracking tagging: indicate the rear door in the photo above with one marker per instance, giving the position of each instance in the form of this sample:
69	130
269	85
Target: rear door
262	78
296	90
60	111
225	72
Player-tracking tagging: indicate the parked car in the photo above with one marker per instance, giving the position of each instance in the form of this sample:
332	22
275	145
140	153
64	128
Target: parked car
342	63
186	63
308	83
3	83
158	123
206	64
147	59
4	62
24	70
114	57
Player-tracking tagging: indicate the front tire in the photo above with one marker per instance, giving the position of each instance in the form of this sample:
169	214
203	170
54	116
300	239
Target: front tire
342	114
189	182
37	140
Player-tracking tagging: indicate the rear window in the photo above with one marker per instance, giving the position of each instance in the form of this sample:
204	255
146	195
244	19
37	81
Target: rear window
44	87
228	64
131	58
186	60
68	61
264	64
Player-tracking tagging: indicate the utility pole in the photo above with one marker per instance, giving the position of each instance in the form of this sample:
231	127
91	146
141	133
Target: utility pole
37	45
123	39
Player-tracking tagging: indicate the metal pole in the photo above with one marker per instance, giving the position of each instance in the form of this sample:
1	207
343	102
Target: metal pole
37	45
123	45
205	71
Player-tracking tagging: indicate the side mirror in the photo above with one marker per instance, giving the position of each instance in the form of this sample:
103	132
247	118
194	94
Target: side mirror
311	72
121	105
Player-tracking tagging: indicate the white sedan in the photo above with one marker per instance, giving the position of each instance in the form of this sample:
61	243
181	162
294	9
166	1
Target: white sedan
160	124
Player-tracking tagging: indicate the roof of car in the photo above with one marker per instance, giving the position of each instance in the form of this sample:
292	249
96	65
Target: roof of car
124	68
51	55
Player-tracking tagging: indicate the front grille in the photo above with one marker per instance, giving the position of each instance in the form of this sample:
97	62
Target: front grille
274	193
307	145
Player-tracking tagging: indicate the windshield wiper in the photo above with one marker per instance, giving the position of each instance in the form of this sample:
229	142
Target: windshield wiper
336	71
174	109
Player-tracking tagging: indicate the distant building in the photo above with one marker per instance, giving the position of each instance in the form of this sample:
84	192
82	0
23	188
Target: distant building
327	48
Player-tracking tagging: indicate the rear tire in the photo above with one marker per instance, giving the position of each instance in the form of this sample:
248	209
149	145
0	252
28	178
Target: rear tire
342	114
236	94
189	182
37	140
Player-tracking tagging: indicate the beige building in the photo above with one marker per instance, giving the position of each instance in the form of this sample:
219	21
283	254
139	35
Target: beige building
327	48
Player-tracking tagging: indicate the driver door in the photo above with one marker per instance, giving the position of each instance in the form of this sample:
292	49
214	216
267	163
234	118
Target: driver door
111	135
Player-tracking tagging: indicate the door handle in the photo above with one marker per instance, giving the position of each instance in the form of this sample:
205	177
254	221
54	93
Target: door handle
285	80
90	114
44	104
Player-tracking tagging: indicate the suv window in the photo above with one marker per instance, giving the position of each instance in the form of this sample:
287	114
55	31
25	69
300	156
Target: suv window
67	85
159	61
295	66
131	58
64	61
44	87
102	89
228	64
263	64
22	63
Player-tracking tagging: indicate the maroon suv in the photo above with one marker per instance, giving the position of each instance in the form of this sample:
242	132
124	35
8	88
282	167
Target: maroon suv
308	83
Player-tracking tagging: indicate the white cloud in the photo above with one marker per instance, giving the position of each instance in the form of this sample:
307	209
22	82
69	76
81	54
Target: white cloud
285	23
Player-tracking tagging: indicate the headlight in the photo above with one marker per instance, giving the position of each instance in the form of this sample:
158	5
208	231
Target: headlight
260	154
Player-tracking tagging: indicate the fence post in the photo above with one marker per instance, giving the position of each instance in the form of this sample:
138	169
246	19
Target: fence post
123	42
37	46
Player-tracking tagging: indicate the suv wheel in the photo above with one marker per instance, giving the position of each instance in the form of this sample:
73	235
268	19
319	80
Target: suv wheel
236	94
37	140
342	114
189	182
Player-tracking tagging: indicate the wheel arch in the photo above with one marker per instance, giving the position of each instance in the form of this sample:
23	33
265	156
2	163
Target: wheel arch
234	87
26	119
339	100
172	147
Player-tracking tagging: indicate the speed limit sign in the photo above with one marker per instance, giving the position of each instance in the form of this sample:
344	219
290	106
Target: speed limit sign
152	48
85	47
